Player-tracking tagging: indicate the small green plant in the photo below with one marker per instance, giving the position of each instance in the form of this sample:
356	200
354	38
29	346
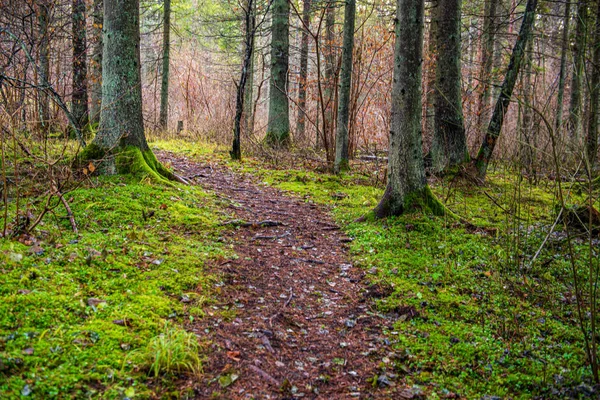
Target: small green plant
173	351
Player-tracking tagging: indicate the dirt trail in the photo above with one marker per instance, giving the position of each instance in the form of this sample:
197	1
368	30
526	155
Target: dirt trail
305	325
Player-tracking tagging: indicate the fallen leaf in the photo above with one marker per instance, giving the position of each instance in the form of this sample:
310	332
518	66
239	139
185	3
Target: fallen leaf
234	355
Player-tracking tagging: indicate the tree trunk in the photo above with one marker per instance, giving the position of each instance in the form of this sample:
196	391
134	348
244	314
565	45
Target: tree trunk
330	65
166	49
527	128
342	137
563	69
493	131
406	185
592	134
487	58
429	71
95	82
120	144
278	129
449	147
575	107
44	61
236	151
80	95
248	114
301	123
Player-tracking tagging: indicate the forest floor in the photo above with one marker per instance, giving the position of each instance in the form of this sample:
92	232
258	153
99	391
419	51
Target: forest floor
256	281
305	324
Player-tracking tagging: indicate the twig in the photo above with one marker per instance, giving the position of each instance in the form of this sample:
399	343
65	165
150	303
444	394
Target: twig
69	212
244	224
264	375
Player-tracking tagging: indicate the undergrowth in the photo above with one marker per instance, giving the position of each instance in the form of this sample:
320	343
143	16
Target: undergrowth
471	311
84	315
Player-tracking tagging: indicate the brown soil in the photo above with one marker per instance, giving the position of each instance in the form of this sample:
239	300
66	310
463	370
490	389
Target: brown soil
305	325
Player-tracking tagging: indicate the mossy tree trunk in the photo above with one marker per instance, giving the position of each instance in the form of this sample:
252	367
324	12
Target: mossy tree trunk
406	185
95	82
166	49
302	80
80	92
449	147
343	116
278	128
592	134
120	143
486	149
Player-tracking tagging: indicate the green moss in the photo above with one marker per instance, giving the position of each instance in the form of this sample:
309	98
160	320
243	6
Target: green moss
486	321
134	161
91	152
141	248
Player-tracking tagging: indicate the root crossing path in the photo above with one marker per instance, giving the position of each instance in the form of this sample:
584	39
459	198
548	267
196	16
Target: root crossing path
304	324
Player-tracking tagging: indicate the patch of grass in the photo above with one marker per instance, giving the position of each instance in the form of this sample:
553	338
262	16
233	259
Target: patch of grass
79	314
173	351
484	320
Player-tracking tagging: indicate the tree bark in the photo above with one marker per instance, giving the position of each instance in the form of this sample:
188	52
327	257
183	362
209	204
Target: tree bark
406	185
527	128
44	61
248	115
495	126
120	143
301	122
95	82
487	58
236	151
576	102
592	134
166	50
330	65
79	84
429	72
449	147
343	116
278	129
563	69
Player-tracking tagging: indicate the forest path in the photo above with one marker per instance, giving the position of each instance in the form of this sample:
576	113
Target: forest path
305	325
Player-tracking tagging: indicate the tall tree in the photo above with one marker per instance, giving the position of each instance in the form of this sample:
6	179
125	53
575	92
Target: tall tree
592	133
330	69
250	27
343	116
301	122
121	142
80	93
166	50
495	126
406	184
278	128
249	89
576	102
44	60
563	67
487	60
95	83
449	147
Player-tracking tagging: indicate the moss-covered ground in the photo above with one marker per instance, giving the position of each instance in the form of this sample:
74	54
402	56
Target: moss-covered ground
86	316
471	313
